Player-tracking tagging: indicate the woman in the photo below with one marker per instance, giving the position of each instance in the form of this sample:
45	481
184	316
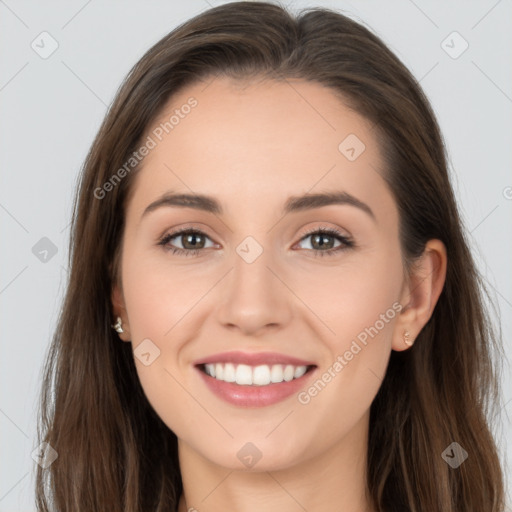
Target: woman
206	358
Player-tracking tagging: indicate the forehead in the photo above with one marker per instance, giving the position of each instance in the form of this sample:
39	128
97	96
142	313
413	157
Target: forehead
242	141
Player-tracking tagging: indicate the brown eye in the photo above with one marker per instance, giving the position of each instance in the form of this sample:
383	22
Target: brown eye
323	241
191	240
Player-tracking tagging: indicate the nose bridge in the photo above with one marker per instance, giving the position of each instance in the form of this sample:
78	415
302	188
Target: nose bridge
254	296
251	274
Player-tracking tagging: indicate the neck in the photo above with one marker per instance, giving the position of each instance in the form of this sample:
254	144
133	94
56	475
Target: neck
333	480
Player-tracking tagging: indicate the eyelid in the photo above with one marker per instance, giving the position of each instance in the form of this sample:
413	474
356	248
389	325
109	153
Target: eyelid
201	230
334	231
187	228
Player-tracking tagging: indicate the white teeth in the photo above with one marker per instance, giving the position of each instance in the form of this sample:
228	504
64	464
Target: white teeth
276	374
210	369
229	372
299	372
243	374
261	375
288	373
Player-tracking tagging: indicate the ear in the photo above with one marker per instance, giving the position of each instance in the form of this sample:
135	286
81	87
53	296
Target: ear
119	309
420	293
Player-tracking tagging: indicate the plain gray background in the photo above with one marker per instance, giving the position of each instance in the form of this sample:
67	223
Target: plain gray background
52	107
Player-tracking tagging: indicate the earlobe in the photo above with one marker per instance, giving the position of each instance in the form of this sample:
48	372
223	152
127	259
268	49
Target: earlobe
120	318
420	294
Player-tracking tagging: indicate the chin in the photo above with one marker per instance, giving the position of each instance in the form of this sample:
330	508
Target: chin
254	457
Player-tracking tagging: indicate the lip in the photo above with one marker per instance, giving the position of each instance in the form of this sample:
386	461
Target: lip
254	396
253	359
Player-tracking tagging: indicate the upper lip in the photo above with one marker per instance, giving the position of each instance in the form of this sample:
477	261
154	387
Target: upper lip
253	359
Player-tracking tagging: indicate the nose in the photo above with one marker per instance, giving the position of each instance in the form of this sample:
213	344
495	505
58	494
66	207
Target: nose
255	297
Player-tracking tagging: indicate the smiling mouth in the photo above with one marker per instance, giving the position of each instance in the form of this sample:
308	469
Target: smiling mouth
260	375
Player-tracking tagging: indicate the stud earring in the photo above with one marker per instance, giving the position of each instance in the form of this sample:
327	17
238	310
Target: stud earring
118	326
406	339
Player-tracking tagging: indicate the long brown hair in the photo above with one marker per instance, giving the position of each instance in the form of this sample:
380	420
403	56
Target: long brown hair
114	452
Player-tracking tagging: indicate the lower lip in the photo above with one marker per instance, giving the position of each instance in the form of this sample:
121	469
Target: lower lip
254	396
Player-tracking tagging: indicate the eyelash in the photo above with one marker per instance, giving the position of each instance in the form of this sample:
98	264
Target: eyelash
346	243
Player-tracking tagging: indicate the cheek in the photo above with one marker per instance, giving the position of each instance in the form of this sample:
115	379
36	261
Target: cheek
362	316
159	293
159	299
355	296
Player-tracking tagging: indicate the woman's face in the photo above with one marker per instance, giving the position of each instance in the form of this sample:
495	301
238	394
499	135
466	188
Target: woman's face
263	289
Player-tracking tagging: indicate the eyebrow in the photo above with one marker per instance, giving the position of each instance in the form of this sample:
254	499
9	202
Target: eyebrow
293	204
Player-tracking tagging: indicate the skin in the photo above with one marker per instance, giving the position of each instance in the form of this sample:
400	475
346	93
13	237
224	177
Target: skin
252	146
